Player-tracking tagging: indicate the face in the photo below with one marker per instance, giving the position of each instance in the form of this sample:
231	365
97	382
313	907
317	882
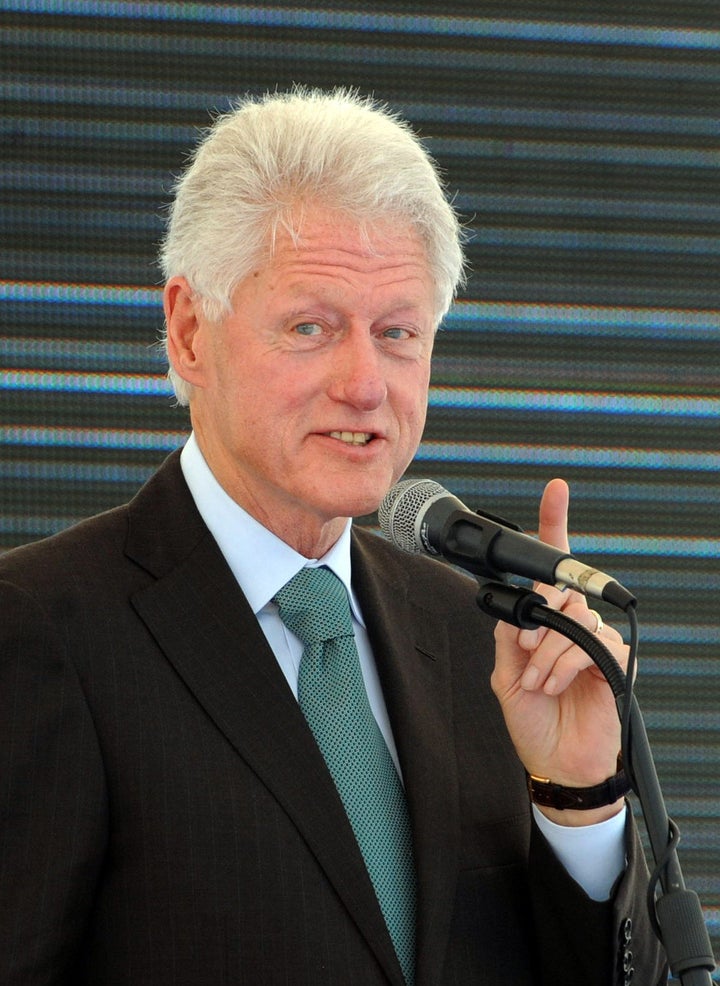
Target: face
309	400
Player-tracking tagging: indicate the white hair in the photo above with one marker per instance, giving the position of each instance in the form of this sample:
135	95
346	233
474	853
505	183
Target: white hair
258	161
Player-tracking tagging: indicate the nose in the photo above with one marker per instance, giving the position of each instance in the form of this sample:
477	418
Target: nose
357	375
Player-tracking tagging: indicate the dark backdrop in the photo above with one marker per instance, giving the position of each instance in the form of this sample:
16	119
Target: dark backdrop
582	149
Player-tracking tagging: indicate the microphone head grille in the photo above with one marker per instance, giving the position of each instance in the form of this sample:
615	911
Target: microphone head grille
399	511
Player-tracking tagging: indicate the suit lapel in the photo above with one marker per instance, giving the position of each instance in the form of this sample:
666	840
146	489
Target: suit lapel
411	651
206	629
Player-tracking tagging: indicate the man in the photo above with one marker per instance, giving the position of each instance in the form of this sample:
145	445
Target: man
171	813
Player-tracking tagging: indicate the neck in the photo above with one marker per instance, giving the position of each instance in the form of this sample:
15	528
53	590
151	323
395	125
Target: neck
311	541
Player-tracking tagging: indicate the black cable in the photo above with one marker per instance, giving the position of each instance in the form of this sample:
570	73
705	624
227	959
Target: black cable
628	691
672	844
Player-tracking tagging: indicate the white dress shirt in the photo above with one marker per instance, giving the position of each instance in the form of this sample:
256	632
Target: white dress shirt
593	854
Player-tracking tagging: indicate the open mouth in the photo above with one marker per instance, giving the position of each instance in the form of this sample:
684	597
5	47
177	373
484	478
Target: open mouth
352	437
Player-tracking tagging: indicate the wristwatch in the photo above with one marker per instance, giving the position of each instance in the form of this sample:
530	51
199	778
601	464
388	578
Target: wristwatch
550	795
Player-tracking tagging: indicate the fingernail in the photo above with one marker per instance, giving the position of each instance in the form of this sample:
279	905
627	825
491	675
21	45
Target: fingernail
551	685
529	679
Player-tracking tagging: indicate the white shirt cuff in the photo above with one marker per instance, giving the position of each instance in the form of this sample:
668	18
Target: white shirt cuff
593	855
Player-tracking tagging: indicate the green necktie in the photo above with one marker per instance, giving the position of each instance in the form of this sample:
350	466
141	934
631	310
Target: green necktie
331	692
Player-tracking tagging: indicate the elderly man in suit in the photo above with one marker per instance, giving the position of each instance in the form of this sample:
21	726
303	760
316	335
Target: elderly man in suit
242	742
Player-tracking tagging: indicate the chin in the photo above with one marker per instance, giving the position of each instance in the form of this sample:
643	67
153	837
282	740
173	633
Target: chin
357	494
356	504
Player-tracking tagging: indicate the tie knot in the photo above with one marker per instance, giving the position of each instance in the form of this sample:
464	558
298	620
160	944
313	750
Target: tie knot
314	606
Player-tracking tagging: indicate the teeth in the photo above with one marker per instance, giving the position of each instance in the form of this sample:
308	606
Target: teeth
352	437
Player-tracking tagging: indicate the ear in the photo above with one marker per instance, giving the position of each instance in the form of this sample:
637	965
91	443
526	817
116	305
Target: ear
184	326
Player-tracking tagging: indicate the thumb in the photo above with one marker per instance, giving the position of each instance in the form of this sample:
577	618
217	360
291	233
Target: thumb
554	506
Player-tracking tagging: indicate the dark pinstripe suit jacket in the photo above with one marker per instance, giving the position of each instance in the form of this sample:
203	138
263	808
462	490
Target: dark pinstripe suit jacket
167	818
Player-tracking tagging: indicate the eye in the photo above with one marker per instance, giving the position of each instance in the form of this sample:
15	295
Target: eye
308	329
395	332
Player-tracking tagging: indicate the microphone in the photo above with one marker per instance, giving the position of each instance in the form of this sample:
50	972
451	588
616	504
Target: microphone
420	516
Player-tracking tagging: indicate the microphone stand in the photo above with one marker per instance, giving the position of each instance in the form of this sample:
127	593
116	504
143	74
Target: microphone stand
676	914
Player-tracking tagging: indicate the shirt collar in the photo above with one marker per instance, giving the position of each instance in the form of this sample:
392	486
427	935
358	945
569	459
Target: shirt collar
243	540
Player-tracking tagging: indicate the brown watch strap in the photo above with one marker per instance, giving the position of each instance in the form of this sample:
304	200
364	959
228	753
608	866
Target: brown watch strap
544	792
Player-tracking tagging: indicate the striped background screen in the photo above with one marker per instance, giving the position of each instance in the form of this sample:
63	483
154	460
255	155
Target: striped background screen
583	150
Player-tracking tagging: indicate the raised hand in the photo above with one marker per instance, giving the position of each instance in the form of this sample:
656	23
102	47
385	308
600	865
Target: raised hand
559	710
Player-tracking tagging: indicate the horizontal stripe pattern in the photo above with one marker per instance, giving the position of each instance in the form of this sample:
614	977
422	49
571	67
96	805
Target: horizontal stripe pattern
583	157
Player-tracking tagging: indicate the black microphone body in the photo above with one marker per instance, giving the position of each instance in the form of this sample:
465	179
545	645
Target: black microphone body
421	516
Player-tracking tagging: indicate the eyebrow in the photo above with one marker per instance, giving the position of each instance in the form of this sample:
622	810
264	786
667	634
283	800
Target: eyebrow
303	298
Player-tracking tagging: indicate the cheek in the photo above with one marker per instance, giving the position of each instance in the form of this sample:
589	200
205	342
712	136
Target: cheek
273	413
417	426
416	399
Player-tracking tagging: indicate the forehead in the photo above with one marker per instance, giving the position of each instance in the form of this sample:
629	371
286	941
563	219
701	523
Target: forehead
326	242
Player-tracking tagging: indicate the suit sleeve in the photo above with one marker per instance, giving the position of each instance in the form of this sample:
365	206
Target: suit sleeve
52	798
595	943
